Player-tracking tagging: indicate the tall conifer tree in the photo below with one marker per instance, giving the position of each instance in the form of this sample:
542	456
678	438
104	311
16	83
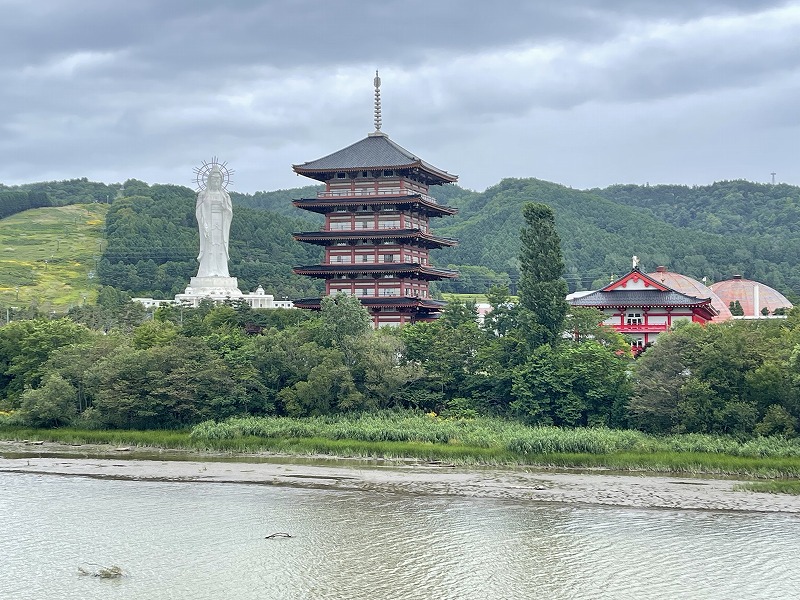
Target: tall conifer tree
542	289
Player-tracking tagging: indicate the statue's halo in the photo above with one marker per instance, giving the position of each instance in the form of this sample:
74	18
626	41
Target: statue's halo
201	173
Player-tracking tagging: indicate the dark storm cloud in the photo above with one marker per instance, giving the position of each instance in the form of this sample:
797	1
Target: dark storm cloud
145	89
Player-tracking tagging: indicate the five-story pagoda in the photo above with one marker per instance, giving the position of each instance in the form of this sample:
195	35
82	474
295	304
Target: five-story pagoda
376	236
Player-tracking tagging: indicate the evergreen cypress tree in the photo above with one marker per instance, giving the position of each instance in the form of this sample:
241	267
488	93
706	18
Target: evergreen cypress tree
542	289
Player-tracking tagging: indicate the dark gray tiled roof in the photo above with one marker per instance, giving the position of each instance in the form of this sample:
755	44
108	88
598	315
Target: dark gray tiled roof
373	301
374	151
327	204
371	234
638	298
368	268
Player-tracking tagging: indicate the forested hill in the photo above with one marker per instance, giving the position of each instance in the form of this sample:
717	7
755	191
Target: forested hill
727	207
601	229
152	245
715	231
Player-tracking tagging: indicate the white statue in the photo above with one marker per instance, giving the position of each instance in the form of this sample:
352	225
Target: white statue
214	213
635	261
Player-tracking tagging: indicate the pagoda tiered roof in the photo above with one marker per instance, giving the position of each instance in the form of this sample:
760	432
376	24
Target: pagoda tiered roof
326	202
398	269
375	152
325	238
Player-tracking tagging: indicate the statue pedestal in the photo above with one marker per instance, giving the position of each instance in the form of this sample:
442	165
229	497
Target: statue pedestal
217	289
214	285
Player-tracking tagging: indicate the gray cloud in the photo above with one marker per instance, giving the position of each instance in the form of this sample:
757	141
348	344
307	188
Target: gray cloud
582	92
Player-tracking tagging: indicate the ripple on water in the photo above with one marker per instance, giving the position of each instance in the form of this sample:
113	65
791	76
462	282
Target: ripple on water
189	540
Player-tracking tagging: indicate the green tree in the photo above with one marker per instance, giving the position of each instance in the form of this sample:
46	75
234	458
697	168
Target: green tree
153	333
163	386
379	371
343	316
328	388
51	405
25	347
542	289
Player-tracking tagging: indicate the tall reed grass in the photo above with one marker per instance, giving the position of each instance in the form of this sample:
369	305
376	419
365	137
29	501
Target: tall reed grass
508	435
477	441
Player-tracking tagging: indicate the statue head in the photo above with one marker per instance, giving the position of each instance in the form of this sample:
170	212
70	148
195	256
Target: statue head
214	179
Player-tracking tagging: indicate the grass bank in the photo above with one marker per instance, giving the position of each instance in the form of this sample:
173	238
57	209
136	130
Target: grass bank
47	256
791	487
469	442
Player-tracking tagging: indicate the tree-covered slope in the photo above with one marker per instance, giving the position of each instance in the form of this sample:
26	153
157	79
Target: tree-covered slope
599	236
716	231
725	207
152	245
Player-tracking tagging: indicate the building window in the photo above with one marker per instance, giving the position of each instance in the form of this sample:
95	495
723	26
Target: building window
634	318
390	291
341	175
637	342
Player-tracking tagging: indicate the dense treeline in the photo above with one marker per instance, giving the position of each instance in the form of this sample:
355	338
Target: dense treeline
279	201
115	366
152	245
16	201
73	191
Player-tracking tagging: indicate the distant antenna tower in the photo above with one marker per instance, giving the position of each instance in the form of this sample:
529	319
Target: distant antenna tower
773	177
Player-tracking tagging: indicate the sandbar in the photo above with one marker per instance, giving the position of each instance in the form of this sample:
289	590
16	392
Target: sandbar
533	484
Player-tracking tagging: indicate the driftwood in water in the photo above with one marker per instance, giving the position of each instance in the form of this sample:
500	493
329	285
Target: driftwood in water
273	536
112	572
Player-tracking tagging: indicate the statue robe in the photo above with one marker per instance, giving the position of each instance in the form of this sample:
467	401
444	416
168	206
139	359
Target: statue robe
214	213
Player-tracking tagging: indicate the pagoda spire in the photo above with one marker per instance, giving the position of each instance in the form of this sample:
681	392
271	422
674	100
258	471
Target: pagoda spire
377	82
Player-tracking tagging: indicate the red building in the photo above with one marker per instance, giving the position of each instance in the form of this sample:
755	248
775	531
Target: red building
377	236
642	307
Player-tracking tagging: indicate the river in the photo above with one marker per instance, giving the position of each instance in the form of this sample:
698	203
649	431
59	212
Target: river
191	540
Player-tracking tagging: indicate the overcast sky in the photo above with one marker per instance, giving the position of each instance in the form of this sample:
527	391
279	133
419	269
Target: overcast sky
581	92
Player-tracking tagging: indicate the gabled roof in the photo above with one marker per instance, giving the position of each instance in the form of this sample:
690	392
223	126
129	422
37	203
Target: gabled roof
631	298
637	289
634	278
376	151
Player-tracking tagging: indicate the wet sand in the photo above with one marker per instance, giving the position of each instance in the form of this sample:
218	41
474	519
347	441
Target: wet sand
597	487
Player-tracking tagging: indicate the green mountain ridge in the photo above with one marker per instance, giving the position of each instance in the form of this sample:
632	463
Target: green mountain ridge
714	231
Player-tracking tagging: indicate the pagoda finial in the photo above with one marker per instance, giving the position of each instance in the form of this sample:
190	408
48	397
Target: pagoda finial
377	82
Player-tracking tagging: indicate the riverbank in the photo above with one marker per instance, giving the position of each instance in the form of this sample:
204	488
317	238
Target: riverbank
594	487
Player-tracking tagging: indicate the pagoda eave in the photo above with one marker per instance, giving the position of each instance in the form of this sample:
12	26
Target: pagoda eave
326	238
400	270
324	205
430	175
373	302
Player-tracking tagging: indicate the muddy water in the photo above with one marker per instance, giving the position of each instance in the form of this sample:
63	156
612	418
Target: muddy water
195	540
